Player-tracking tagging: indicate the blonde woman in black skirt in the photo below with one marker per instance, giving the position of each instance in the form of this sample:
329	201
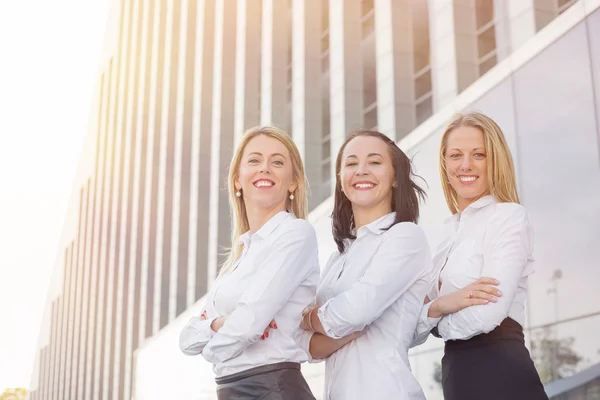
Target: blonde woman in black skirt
476	301
254	308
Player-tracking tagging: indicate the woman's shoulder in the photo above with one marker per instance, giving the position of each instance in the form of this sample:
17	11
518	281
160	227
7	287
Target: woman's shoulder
297	226
406	230
506	212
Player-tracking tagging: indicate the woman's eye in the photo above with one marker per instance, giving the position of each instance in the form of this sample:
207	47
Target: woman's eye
375	163
351	164
479	155
252	161
278	163
454	156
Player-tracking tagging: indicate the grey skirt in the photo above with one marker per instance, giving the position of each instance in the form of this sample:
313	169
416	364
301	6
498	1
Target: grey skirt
281	381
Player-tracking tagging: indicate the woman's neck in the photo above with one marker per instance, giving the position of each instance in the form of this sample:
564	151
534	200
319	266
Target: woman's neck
465	203
364	216
257	217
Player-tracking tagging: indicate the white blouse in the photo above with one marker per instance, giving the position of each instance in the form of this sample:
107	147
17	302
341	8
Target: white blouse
275	278
487	239
380	281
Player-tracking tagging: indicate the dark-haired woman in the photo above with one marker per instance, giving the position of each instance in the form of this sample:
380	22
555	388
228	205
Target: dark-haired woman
372	289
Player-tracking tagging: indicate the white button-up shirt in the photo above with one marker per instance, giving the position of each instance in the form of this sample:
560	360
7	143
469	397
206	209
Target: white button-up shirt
275	278
487	239
380	281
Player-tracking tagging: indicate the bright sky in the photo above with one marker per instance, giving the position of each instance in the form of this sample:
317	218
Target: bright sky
49	58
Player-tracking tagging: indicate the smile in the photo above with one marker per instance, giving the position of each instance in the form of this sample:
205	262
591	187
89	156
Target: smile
264	183
467	179
363	185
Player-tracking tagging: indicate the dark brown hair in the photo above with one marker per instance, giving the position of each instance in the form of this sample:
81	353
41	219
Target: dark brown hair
405	197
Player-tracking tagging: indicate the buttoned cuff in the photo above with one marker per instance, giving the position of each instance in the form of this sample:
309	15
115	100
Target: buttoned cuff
203	325
426	323
328	326
303	339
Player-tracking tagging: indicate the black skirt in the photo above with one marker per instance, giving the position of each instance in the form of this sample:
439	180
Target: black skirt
492	366
281	381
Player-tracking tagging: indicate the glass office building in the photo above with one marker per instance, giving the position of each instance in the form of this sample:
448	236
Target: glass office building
185	78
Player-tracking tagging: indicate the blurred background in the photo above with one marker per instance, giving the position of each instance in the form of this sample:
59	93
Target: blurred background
180	80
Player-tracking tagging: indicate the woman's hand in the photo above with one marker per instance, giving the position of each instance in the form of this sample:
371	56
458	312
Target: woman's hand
305	323
265	334
479	292
218	323
322	346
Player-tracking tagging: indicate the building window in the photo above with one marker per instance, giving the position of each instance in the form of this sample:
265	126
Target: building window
289	75
563	5
423	90
368	18
486	35
424	108
370	117
323	190
325	52
420	29
487	63
369	66
484	12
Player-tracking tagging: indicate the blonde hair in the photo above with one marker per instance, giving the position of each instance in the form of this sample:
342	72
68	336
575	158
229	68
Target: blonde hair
239	218
500	169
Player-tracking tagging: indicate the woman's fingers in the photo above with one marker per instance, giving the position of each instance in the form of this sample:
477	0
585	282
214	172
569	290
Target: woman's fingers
272	325
265	334
477	301
484	280
478	294
487	289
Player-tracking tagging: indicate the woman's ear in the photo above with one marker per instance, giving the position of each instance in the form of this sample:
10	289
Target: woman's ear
293	187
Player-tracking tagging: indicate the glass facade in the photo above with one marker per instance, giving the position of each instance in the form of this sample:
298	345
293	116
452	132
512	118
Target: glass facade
548	110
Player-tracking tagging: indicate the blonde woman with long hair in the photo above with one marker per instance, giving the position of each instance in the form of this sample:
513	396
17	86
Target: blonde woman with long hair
476	301
253	310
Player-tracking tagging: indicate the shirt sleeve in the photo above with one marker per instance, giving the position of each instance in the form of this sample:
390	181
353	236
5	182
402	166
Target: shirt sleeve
400	260
303	339
425	323
197	333
507	247
290	260
424	326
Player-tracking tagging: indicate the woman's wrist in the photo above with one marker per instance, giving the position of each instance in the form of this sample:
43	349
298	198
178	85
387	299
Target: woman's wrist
311	319
433	311
315	322
217	323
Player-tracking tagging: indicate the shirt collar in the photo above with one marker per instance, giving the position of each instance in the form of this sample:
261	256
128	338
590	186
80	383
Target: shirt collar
378	226
267	228
476	205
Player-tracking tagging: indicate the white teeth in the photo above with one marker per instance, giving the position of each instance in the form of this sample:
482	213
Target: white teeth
467	178
363	185
263	183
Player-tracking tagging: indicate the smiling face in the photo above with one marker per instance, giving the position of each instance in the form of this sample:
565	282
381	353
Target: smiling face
367	174
465	160
265	174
